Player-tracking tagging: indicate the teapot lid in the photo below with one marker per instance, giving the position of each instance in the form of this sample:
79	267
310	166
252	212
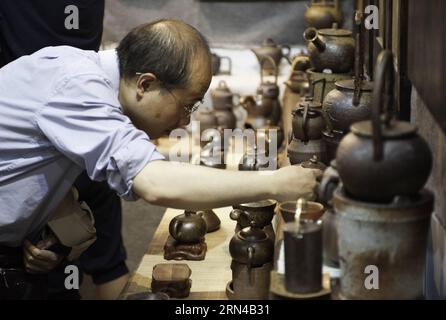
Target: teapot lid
253	233
335	32
395	130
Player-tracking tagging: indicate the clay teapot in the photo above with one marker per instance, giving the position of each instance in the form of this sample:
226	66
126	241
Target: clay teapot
222	97
276	52
256	107
308	122
322	14
299	151
188	227
216	64
298	82
252	246
262	213
340	108
383	158
351	101
332	49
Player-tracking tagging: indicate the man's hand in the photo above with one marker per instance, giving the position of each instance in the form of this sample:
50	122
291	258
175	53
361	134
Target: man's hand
296	182
39	260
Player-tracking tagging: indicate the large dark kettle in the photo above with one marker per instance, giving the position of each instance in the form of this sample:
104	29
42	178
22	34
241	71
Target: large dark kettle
332	49
351	101
308	122
383	158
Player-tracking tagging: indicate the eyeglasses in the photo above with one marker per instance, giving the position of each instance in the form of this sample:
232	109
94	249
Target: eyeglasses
189	109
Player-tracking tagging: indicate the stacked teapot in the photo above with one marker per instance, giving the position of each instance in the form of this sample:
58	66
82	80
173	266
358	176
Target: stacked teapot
265	107
262	213
350	101
308	124
252	254
331	53
273	53
186	240
223	104
298	81
262	153
383	213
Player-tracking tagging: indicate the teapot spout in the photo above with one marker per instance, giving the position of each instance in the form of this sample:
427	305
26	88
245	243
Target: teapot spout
311	35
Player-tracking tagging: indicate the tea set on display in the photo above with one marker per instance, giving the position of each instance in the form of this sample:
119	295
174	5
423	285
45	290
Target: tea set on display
374	171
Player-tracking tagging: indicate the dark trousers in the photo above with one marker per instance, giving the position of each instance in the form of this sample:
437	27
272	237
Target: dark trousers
104	260
15	283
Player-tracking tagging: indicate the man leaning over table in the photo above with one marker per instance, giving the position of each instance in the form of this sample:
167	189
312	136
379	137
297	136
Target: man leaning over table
61	114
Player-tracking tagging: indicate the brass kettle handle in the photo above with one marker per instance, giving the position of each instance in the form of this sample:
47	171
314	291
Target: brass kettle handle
382	94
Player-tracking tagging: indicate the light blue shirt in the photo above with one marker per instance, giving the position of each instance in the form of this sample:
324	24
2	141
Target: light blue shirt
60	115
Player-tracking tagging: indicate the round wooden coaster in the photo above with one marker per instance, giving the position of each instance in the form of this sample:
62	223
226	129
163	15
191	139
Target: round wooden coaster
278	288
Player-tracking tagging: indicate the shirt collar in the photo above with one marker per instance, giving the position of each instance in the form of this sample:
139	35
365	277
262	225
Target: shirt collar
110	64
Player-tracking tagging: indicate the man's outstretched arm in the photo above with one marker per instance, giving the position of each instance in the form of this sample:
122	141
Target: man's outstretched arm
186	186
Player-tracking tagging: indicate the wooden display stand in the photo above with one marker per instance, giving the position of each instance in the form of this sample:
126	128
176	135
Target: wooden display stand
174	250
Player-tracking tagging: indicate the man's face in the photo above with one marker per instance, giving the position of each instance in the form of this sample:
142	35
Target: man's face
157	110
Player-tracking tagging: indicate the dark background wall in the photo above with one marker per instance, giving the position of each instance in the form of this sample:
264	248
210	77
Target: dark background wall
225	24
434	135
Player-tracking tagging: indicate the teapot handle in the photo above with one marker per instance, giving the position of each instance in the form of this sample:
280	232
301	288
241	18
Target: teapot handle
382	94
305	123
271	60
326	188
227	72
313	85
359	59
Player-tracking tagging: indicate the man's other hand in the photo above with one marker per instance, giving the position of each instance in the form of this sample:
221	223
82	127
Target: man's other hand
39	260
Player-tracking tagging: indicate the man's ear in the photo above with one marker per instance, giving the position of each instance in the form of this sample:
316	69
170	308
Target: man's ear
144	82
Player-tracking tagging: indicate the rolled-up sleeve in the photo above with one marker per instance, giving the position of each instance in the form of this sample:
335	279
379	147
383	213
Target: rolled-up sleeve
84	121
